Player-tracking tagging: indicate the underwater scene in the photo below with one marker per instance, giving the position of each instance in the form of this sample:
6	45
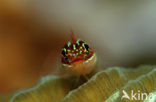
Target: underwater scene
77	51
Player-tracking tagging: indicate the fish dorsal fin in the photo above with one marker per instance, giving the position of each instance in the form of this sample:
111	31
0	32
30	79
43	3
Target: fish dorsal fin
73	37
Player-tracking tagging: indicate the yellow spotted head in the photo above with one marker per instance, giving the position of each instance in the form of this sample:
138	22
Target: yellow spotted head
78	57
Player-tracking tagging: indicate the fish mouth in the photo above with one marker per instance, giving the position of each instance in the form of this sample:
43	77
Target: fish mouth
85	60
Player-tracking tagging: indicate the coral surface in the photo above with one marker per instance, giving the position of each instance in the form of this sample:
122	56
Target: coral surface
110	85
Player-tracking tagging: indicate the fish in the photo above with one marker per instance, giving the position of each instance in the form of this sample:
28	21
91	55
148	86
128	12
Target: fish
77	57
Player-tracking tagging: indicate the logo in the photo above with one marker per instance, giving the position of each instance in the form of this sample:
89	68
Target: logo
137	96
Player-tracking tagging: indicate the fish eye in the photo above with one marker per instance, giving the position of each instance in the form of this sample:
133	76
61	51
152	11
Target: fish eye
86	47
63	52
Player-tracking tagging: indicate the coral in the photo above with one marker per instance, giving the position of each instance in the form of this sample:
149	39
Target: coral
104	86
